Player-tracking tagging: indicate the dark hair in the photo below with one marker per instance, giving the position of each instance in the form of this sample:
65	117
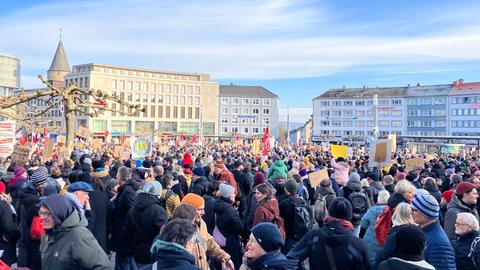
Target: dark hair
213	187
178	231
184	211
265	189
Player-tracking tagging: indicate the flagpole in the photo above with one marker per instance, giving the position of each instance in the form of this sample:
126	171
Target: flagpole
288	125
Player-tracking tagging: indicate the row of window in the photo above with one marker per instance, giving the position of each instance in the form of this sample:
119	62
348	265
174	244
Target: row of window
158	111
466	100
245	101
427	123
244	130
466	112
182	100
427	133
358	133
427	101
245	111
360	123
154	87
80	82
370	113
466	124
360	103
140	73
245	121
427	112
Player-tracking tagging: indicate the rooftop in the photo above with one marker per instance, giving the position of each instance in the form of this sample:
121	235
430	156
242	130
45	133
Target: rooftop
243	90
77	70
429	90
461	88
60	61
362	93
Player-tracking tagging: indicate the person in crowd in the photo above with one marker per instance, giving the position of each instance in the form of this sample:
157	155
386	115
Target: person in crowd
8	228
388	183
199	181
324	196
263	249
144	221
100	175
287	211
210	197
333	245
172	249
182	180
251	203
463	201
430	185
375	186
16	183
342	169
120	206
278	169
169	198
228	226
224	175
267	207
367	231
467	246
206	244
410	242
438	251
78	194
353	192
157	173
67	243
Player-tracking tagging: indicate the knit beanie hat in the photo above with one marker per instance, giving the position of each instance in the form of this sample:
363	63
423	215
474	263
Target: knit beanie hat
19	170
154	188
464	187
410	239
98	165
354	177
341	208
193	200
38	178
198	171
275	157
258	178
291	186
427	205
85	177
420	191
373	176
268	236
226	190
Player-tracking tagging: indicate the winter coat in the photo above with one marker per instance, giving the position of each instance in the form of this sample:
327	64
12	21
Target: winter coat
453	208
395	263
353	186
9	233
375	188
244	183
99	203
349	252
287	212
388	248
72	246
368	223
273	260
206	246
171	200
278	170
144	221
199	186
251	207
100	179
170	256
327	192
341	168
209	216
438	251
390	188
266	211
462	249
120	206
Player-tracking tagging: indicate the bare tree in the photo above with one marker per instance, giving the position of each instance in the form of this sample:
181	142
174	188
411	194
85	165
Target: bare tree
94	103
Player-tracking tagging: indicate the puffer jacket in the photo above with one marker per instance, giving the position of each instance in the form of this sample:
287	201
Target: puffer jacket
462	250
72	246
453	208
341	168
170	256
368	223
273	260
278	170
438	251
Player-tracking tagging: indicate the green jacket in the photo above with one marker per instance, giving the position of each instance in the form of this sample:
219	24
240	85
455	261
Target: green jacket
72	246
277	170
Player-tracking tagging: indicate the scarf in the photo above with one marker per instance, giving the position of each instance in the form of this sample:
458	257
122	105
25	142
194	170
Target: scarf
345	223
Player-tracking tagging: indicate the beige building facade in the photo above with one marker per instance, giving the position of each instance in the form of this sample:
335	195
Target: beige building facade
175	103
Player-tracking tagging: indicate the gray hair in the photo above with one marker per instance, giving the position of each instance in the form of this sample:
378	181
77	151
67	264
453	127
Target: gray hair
469	220
402	215
383	197
404	186
124	173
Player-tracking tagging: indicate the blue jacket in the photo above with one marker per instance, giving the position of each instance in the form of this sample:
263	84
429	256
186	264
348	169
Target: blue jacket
438	251
368	223
462	248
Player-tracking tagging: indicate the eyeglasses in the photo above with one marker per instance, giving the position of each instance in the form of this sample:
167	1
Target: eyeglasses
44	214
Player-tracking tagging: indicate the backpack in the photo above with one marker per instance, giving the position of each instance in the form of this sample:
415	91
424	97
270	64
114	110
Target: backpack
278	221
383	225
303	219
163	202
36	229
321	210
473	254
359	203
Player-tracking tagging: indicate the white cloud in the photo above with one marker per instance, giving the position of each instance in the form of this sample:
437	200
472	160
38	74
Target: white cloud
227	39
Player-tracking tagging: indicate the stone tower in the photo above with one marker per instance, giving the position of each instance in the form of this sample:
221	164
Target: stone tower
59	67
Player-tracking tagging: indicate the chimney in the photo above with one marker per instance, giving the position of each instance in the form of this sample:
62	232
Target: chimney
231	84
408	85
455	83
418	83
364	87
344	87
460	81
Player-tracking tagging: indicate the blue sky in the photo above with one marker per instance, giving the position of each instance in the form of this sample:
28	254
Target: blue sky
297	49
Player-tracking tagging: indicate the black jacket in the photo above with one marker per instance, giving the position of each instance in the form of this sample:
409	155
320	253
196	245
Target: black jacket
9	233
273	260
119	207
287	212
99	203
396	263
227	218
199	187
144	222
170	256
349	252
462	249
209	216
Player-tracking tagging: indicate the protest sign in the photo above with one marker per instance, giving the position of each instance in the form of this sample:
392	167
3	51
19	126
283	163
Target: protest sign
79	145
117	153
393	141
256	147
317	177
381	153
61	140
21	154
338	150
164	149
97	143
83	132
414	164
48	148
141	146
62	152
7	138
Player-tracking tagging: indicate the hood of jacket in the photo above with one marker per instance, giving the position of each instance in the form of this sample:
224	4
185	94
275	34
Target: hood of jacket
273	260
221	205
458	204
144	200
336	234
326	191
170	254
354	185
74	220
28	194
278	164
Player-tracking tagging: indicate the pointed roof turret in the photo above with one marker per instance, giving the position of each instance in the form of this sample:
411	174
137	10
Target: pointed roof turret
60	61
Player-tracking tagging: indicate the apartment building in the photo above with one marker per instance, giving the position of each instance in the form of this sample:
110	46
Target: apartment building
465	109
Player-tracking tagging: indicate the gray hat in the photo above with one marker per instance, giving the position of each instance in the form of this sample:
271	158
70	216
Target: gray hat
354	177
226	190
153	188
38	178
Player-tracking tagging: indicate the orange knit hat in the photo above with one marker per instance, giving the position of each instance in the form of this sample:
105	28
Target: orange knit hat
193	200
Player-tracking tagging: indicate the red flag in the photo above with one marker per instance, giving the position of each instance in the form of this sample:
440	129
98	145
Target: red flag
34	138
266	142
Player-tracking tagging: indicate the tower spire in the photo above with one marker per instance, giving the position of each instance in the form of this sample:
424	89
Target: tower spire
60	66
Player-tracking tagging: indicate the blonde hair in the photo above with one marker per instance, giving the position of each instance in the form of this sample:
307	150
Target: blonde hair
404	186
383	197
402	215
178	169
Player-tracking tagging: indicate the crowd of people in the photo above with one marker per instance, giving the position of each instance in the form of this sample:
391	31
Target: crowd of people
222	207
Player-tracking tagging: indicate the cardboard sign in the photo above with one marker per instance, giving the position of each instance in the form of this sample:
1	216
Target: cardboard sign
7	138
429	157
61	140
141	146
339	151
62	152
381	153
97	143
48	148
393	141
256	147
83	132
317	177
164	149
414	164
117	153
21	154
79	145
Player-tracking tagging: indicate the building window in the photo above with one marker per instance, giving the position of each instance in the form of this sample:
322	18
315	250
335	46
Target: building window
337	103
325	113
397	102
397	113
182	89
427	113
245	121
189	90
245	101
197	113
370	123
114	84
384	102
137	86
160	88
189	100
145	97
129	96
167	88
383	113
255	111
152	110
426	123
129	85
255	130
325	103
245	130
197	101
266	111
225	130
325	123
347	113
347	103
359	103
245	111
234	129
224	101
145	86
336	113
396	123
224	110
235	111
234	120
425	101
265	120
336	123
359	123
197	90
266	102
235	101
175	112
255	101
440	124
224	120
347	123
439	100
182	112
182	100
412	101
167	99
175	89
359	113
383	123
440	112
175	100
